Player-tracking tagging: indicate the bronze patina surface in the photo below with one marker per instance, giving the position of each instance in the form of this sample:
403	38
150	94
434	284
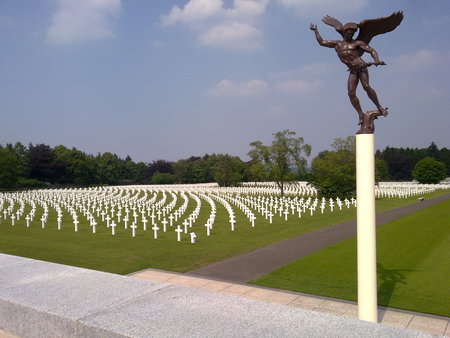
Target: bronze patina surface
350	53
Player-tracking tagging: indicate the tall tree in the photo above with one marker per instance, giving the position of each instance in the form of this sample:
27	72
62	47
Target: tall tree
109	168
43	164
429	171
279	158
79	168
334	173
227	170
9	169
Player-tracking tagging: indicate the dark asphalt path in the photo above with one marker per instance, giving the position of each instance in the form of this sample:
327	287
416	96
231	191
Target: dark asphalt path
246	267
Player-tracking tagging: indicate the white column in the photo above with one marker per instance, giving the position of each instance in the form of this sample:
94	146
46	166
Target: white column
366	233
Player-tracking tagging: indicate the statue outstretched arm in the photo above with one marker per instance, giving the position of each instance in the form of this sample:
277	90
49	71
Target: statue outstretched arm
320	40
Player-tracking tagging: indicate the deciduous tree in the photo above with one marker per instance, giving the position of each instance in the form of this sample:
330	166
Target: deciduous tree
429	171
279	158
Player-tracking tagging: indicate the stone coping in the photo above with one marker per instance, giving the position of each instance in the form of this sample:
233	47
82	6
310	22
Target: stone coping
41	299
405	319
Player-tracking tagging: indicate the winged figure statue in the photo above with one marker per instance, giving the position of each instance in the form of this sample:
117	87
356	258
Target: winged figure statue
350	52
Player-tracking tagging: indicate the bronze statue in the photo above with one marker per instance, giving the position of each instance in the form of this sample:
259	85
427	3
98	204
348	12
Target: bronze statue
350	51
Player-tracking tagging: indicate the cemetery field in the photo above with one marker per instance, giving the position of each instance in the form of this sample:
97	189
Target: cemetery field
413	270
124	254
72	226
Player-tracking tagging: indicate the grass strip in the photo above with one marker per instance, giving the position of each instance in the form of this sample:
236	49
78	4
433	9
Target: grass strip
413	271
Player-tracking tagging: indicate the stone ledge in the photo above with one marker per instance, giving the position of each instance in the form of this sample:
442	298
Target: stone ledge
46	299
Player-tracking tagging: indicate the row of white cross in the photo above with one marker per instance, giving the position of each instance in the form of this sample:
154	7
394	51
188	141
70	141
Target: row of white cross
130	206
406	189
163	208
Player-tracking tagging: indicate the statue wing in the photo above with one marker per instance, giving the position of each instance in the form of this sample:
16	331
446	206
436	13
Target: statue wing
333	22
370	28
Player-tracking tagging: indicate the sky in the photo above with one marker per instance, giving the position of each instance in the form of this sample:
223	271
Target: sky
169	79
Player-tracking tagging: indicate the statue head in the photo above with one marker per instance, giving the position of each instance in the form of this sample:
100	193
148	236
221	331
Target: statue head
349	29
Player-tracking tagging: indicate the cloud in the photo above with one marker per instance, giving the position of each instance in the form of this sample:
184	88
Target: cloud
298	86
421	59
193	12
247	10
240	89
76	21
235	27
233	36
305	8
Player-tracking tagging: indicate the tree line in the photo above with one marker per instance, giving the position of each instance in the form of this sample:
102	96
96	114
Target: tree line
285	159
40	165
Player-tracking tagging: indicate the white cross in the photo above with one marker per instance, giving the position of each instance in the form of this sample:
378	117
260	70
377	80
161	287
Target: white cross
94	229
159	215
208	228
59	222
286	213
178	230
75	223
28	220
113	228
171	219
126	222
13	218
270	217
103	215
232	222
322	208
155	229
311	209
107	221
164	223
133	229
185	223
43	219
145	220
252	219
153	218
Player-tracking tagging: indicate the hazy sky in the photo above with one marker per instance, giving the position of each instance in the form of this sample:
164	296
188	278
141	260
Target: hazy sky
167	79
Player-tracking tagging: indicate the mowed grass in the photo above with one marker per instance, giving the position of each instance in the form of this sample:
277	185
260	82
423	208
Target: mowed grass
413	265
123	254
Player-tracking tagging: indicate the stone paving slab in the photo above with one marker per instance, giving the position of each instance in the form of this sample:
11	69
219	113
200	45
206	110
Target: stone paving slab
397	318
40	299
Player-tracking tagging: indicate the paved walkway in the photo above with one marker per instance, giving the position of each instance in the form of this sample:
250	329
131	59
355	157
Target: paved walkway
393	317
249	266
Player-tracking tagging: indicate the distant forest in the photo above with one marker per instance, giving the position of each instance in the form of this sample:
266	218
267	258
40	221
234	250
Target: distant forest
40	165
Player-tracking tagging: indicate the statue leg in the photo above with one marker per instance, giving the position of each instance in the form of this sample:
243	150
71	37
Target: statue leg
352	83
364	77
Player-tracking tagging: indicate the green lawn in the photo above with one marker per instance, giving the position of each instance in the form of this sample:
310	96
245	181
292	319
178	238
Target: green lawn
124	254
413	265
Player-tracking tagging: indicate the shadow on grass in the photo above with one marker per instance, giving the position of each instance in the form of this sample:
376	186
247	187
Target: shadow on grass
389	280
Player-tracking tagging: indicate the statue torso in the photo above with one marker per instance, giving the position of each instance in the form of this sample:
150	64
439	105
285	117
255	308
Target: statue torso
348	52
